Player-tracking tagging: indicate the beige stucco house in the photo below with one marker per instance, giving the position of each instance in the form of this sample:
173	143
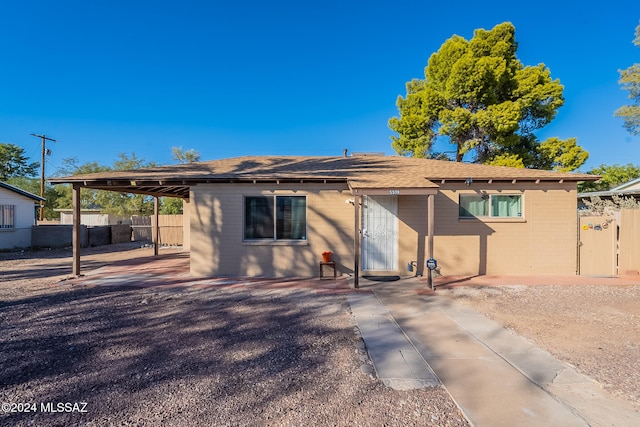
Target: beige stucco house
274	216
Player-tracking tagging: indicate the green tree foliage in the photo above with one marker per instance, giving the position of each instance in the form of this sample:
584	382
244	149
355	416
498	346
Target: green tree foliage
126	204
612	176
184	156
123	204
479	96
88	197
173	205
560	155
113	202
14	163
170	206
32	185
630	81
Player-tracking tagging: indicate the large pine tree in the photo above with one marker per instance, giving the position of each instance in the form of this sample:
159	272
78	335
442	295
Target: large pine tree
487	103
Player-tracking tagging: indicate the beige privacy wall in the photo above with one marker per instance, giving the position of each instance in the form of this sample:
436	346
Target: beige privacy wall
543	241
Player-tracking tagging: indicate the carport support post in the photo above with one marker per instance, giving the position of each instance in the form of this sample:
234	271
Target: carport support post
75	235
356	242
156	226
430	231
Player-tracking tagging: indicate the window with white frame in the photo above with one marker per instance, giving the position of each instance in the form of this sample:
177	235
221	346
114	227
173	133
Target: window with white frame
275	218
7	217
490	205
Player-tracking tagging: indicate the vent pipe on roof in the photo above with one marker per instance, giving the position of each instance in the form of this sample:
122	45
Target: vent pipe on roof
344	152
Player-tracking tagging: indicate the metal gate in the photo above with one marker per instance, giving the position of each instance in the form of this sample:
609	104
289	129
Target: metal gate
380	233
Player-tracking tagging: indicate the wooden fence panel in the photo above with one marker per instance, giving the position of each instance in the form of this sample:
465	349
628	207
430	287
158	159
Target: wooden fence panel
141	226
171	233
629	242
170	230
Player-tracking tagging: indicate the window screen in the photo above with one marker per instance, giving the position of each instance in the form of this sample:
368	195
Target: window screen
275	217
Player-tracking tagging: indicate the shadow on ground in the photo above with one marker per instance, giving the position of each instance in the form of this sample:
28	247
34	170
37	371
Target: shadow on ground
121	349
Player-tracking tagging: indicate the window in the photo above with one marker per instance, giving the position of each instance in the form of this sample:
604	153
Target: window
506	206
473	205
493	206
7	214
275	218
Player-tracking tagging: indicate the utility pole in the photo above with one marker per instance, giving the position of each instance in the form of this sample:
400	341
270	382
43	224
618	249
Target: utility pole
44	153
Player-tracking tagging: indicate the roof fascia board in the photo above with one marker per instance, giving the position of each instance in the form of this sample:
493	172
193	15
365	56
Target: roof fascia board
393	191
21	192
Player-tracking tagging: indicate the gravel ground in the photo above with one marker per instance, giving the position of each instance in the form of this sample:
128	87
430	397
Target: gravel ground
186	357
594	328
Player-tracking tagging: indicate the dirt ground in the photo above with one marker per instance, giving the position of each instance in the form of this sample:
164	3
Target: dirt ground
594	328
256	357
100	356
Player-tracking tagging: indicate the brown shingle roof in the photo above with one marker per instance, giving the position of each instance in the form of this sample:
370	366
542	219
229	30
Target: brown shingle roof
359	171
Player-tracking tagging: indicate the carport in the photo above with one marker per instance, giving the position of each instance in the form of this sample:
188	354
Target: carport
156	182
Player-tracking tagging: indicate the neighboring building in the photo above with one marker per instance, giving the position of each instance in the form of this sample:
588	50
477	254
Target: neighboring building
628	189
92	218
275	216
18	213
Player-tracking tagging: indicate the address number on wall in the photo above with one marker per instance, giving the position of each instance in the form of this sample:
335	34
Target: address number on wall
394	192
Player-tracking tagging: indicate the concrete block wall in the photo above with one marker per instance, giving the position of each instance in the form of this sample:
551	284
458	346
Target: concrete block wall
61	236
216	232
543	241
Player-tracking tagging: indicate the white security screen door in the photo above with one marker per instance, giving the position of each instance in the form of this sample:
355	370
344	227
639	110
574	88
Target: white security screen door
380	233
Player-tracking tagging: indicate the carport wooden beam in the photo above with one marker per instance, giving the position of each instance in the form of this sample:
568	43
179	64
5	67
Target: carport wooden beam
431	205
76	233
156	225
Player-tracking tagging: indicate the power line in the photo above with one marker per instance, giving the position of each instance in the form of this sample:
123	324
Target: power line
44	153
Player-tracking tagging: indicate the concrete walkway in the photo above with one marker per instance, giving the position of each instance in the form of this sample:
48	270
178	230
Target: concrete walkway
496	377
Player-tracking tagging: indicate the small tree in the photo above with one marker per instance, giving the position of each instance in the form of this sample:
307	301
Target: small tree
184	156
88	197
630	81
173	205
14	163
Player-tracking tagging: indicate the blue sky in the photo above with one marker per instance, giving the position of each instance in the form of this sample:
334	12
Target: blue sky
280	77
